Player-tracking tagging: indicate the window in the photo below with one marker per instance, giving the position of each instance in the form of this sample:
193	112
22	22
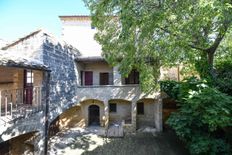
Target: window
104	78
28	77
140	108
133	77
113	107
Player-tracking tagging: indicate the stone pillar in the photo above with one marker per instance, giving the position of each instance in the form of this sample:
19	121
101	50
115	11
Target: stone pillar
133	115
106	111
117	79
159	114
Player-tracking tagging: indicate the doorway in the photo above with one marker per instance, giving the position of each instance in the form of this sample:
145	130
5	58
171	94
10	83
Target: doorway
28	86
94	115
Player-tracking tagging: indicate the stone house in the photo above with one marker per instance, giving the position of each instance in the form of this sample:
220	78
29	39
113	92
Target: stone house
104	96
33	87
47	84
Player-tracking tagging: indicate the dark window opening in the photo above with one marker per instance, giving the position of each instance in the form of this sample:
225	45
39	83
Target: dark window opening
104	78
113	107
81	78
140	108
88	78
133	77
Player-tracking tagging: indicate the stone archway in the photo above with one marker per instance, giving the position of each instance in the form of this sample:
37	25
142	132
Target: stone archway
94	115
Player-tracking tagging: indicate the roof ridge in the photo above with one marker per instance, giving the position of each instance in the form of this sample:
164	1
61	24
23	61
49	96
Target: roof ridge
21	39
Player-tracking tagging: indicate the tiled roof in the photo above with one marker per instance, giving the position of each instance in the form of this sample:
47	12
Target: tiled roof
90	59
12	59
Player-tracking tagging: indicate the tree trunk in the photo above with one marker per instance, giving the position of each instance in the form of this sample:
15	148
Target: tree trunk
210	56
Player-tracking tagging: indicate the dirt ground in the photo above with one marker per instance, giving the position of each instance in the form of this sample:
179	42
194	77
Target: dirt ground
78	141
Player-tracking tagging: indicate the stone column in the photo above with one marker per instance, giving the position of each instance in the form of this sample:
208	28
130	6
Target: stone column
133	115
159	114
106	111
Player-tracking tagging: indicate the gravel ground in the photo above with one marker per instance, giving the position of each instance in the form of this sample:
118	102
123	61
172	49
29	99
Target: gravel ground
79	141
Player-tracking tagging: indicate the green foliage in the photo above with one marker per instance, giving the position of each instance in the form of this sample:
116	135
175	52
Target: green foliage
180	90
171	88
202	113
146	35
224	76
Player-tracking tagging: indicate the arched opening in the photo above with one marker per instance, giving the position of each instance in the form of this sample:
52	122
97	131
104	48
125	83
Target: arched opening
94	115
22	144
119	111
70	118
146	112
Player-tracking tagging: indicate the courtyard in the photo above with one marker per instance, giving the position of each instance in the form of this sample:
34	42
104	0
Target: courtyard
90	142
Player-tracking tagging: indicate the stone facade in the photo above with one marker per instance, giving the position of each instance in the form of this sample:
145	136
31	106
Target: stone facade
125	96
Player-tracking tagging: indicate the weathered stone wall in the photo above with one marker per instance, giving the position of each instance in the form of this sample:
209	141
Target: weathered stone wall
148	118
63	81
123	111
72	117
29	47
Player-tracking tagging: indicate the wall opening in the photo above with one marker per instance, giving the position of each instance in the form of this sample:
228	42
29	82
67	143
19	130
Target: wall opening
94	115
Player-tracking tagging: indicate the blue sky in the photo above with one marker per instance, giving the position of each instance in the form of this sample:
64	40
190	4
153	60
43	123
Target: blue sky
20	17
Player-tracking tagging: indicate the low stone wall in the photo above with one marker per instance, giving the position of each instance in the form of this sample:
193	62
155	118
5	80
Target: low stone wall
129	128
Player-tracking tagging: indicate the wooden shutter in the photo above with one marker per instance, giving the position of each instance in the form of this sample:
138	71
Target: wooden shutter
104	78
88	78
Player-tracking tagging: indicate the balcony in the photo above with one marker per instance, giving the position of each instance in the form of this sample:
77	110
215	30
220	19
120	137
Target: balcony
19	103
105	93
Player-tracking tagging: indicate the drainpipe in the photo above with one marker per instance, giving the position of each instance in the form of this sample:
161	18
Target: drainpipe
46	112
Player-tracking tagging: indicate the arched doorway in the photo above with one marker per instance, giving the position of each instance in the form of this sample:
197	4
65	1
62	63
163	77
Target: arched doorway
94	115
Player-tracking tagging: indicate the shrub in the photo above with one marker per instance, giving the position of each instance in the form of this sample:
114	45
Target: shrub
203	112
223	79
171	88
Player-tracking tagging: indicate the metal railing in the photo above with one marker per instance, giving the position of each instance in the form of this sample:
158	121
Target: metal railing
18	103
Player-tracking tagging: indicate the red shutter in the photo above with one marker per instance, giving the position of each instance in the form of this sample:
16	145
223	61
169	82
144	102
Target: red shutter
88	78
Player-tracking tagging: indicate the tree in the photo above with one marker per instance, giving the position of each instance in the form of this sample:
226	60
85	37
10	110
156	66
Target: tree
148	34
203	115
